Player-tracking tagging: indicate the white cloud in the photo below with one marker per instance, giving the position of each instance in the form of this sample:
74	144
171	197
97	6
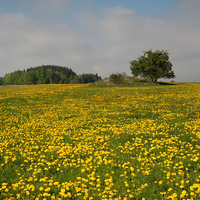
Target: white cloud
26	43
104	44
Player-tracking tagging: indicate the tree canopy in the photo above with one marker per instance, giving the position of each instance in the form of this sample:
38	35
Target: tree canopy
153	65
47	74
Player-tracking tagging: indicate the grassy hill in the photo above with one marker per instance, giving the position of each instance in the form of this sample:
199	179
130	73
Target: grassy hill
131	81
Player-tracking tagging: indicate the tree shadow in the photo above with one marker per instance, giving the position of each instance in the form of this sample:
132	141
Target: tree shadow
165	83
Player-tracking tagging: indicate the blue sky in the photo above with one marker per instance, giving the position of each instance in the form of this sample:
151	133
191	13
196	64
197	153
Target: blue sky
144	7
99	36
152	8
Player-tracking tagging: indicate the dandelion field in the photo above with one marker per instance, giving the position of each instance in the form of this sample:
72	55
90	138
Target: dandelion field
98	142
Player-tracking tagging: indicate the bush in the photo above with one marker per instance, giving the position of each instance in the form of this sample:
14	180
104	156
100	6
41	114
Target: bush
118	78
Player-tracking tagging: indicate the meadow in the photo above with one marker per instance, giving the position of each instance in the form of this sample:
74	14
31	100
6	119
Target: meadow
100	142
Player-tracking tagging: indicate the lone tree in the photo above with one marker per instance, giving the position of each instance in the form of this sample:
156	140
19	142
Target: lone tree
153	65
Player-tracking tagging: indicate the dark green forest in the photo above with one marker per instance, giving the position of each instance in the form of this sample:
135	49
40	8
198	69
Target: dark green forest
47	74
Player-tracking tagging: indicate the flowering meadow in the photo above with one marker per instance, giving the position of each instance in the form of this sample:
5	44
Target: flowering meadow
100	142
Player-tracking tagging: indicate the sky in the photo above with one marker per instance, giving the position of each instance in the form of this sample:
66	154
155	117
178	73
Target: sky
99	36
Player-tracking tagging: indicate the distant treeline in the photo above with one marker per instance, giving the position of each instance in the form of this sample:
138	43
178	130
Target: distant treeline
46	74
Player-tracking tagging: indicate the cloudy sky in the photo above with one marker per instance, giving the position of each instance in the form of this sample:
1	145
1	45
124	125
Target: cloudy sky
99	36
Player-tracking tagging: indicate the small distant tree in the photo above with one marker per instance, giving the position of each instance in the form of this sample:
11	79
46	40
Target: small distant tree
30	78
14	78
41	75
75	79
50	75
118	78
1	80
153	65
89	78
6	79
